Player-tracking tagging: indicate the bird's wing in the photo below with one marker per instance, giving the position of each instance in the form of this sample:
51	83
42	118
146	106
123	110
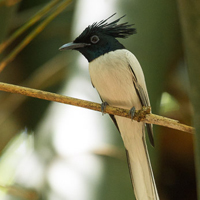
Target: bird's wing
145	166
143	96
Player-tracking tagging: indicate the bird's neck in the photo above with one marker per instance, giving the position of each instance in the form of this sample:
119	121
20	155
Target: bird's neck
99	50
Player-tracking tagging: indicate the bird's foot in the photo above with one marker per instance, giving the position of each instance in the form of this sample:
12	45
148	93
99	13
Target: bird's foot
103	106
140	115
132	112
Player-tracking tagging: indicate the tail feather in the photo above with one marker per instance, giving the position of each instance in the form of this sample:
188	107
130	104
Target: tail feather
151	171
141	172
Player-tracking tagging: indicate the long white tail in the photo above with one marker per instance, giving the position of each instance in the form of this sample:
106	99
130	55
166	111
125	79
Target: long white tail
133	135
142	176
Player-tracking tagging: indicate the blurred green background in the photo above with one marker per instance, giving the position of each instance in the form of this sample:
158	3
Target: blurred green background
56	152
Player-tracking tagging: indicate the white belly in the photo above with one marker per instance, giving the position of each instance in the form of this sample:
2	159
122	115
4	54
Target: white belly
113	80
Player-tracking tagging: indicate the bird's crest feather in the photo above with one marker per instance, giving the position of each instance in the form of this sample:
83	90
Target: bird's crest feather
122	30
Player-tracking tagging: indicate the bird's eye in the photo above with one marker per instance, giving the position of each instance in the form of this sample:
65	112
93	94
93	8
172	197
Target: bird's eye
94	39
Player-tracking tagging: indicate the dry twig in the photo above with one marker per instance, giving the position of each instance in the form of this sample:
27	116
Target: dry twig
142	115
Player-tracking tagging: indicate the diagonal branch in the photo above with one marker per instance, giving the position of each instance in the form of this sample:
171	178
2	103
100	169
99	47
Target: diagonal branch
140	115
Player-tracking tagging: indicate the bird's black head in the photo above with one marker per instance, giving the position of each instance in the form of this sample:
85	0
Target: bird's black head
100	38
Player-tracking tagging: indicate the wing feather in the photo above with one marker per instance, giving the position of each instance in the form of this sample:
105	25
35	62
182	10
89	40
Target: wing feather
144	99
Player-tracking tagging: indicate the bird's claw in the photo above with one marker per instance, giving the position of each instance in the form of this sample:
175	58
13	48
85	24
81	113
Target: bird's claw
132	112
139	115
103	106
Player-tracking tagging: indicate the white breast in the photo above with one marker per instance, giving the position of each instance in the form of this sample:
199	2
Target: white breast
113	79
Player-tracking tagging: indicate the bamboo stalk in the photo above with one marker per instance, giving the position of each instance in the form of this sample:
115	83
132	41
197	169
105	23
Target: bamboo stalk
190	24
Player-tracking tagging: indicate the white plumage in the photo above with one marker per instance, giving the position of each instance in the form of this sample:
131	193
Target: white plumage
113	75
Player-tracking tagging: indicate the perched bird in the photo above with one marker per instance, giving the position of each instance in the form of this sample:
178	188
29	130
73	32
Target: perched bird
118	77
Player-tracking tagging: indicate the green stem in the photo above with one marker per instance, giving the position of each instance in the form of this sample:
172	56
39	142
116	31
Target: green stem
30	22
33	34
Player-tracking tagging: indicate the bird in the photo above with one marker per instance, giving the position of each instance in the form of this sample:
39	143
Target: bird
119	80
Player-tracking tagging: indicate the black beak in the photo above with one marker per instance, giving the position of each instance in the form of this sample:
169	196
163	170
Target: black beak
73	45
